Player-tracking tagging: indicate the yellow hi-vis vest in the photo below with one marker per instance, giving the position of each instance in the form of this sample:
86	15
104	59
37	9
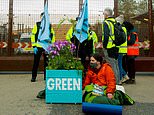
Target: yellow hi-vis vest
110	43
123	47
69	34
93	37
34	40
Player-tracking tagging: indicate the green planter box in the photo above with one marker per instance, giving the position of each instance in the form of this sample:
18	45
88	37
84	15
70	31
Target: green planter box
63	86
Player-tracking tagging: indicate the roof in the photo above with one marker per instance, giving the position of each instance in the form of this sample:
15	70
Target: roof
144	17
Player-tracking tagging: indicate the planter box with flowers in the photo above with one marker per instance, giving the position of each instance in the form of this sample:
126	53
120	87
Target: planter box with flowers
63	74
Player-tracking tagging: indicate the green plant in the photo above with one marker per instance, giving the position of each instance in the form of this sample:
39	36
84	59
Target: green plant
72	21
61	56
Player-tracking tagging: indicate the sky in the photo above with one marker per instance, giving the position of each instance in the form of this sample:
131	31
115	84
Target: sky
56	8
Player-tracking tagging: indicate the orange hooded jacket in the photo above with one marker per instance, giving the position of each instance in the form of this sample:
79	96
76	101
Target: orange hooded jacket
102	77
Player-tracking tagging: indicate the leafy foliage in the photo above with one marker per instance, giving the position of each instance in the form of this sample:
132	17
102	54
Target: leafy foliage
130	8
72	21
61	56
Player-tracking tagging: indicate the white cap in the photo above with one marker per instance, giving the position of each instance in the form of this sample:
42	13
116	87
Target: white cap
120	19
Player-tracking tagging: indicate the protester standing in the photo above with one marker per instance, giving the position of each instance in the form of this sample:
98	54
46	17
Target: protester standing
72	38
109	48
38	49
90	44
84	49
92	40
122	52
132	52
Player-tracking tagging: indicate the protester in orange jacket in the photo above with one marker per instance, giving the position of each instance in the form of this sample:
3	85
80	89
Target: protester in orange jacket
100	73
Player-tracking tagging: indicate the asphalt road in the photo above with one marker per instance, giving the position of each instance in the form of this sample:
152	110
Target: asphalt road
18	97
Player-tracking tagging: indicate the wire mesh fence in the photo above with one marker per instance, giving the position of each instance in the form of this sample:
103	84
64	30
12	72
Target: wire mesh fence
27	12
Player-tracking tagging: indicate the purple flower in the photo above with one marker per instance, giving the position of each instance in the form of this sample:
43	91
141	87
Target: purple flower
54	52
64	46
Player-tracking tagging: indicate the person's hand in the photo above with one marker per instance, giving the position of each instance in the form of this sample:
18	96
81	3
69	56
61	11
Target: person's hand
109	95
35	50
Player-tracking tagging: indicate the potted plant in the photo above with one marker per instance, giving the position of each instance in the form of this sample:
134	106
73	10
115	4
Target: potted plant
61	57
63	74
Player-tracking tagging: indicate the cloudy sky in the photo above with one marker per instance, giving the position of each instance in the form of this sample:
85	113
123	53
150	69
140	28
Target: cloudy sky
55	6
57	10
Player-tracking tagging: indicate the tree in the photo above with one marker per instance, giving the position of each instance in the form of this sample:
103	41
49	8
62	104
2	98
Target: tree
142	6
130	8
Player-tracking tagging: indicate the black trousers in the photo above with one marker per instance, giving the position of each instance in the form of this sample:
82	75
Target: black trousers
128	63
37	57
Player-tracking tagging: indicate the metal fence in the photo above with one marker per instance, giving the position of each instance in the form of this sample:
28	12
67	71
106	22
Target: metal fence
17	18
25	13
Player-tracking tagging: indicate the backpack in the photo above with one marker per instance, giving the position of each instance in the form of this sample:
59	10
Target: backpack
120	36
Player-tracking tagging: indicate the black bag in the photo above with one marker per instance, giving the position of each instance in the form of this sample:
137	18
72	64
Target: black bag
120	36
113	52
41	94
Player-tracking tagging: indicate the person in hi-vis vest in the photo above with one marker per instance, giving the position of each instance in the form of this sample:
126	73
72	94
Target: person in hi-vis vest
132	52
84	49
38	50
110	50
90	45
122	52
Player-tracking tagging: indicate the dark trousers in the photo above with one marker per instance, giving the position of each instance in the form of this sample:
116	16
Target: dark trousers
37	60
129	66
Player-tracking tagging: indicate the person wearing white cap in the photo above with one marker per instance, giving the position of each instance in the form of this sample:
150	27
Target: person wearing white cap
122	52
120	19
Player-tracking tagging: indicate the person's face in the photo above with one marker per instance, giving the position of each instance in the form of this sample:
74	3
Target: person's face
91	27
105	15
93	63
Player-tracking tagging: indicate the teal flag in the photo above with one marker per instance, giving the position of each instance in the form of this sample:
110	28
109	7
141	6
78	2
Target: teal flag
44	38
81	29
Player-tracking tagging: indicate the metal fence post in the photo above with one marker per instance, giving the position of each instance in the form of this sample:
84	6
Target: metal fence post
80	5
116	8
45	2
10	27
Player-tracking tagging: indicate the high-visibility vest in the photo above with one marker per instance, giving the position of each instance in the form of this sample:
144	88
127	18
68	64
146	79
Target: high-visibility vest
92	36
133	49
123	47
69	34
111	28
34	36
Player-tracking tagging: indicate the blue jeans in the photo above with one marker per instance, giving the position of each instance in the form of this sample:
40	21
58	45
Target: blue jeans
121	70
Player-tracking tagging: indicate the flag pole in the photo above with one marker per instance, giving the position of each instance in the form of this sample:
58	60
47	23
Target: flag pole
80	5
80	8
45	2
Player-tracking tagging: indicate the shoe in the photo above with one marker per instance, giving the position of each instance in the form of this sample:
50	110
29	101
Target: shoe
130	81
120	82
33	80
125	78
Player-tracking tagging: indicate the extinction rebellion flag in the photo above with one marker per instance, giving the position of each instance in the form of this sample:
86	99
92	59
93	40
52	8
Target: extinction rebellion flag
82	24
44	32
